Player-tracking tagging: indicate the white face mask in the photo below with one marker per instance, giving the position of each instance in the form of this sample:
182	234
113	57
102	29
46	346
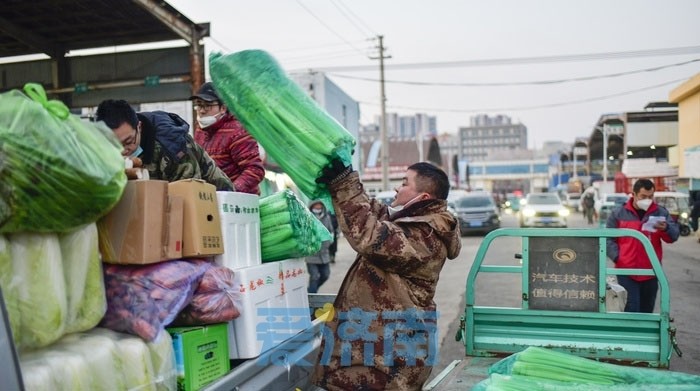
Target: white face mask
644	204
394	209
207	121
317	211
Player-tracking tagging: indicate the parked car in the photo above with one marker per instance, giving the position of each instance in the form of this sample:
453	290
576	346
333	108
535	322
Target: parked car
477	212
543	210
512	203
613	200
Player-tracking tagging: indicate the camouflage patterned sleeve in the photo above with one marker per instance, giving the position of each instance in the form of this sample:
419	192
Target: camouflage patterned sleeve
393	247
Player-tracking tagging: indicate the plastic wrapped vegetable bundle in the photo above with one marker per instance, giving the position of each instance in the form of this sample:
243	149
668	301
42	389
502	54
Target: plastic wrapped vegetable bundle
288	229
82	270
544	369
142	300
58	171
215	300
41	293
9	284
299	135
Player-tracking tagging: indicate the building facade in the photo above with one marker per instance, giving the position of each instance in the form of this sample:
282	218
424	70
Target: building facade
488	135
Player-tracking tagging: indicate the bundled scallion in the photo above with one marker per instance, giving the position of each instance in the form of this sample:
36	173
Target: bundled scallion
297	133
288	229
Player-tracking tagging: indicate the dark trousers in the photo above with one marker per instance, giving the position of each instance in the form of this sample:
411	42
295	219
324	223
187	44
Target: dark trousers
318	274
641	295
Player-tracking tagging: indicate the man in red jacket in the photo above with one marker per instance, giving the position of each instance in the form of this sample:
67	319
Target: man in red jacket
223	137
628	253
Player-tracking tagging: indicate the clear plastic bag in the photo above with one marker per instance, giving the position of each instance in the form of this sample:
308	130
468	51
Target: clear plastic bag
216	299
58	172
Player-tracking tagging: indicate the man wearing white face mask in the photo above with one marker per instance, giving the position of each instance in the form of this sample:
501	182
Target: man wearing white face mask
628	253
223	137
400	251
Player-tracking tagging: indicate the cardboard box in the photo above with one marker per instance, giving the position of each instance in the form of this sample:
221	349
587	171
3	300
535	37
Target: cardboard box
201	235
240	227
201	355
133	232
176	211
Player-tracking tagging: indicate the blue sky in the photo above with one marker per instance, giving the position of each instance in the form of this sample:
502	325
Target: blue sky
452	34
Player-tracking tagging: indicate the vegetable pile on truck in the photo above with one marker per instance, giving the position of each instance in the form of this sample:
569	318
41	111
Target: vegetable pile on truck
145	284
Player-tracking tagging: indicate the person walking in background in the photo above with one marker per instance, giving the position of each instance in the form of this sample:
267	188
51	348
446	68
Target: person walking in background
589	207
334	245
629	253
695	215
388	291
223	137
318	264
163	142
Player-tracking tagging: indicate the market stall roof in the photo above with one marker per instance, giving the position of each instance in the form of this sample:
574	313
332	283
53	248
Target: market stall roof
55	27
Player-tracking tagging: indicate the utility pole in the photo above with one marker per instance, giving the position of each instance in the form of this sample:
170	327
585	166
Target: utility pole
382	125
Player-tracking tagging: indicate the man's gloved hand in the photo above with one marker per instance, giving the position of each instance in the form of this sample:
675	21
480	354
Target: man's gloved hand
334	173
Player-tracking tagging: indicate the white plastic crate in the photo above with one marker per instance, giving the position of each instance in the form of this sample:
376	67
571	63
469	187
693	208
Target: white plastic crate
240	228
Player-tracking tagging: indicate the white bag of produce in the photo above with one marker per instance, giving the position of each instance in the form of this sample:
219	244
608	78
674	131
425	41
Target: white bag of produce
8	283
68	370
163	359
82	271
36	259
37	374
103	359
135	357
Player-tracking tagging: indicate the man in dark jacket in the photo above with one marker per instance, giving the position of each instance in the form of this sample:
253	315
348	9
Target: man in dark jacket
628	253
162	141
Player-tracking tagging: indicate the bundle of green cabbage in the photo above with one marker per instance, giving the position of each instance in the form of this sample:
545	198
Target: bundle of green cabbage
41	293
297	133
66	370
135	358
58	171
8	283
82	271
288	229
105	369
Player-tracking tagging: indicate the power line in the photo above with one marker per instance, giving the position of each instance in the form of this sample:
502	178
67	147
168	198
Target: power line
535	107
329	28
525	60
338	4
516	83
323	46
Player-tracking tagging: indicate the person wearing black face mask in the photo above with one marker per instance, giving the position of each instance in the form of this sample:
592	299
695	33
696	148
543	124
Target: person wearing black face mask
318	264
629	253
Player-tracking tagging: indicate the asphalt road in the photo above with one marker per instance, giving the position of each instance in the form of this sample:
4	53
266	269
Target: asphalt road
681	264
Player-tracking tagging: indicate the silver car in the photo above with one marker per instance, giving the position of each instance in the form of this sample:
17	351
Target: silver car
543	210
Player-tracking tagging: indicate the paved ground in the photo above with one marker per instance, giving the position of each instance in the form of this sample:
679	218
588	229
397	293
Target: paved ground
681	263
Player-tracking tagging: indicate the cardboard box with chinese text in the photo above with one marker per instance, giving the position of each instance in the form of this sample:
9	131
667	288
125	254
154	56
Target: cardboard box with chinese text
201	235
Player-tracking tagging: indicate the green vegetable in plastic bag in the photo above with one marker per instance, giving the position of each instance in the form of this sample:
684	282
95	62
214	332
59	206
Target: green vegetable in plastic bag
57	171
8	283
36	259
288	229
82	270
135	357
297	133
163	359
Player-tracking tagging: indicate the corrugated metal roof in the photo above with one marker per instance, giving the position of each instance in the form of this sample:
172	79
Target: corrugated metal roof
55	27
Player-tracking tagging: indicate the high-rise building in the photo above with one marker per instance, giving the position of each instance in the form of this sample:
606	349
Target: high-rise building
491	135
408	126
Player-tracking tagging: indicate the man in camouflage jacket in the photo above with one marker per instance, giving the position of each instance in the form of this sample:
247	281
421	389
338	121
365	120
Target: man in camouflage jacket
383	335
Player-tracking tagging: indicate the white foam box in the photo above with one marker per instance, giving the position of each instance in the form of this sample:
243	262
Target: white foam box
296	283
263	319
240	227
